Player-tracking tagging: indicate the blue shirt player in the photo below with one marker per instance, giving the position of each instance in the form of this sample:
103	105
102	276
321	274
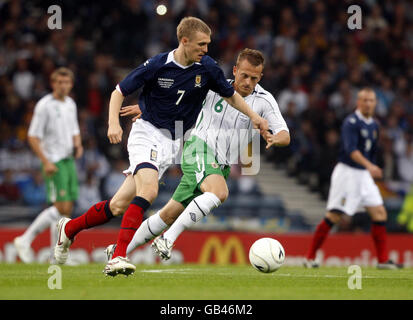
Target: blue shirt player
352	186
174	86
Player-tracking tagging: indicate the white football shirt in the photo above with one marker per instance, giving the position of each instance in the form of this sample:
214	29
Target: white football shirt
55	123
228	131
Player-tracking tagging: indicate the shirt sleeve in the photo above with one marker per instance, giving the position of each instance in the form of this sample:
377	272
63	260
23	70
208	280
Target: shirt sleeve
349	135
271	112
218	82
137	77
38	122
76	129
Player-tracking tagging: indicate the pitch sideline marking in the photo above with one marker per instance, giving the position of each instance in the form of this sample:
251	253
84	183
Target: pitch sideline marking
189	271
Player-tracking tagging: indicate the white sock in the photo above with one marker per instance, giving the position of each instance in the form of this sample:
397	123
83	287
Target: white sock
45	218
198	208
149	229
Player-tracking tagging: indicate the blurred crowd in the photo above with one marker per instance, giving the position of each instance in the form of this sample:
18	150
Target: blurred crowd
314	67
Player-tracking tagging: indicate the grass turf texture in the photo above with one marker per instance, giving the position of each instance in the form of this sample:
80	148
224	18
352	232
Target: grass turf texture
202	282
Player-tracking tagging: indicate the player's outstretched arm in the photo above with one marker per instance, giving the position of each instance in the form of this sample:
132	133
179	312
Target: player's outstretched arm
239	103
114	129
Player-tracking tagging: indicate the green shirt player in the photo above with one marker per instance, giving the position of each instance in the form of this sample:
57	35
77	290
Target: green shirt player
54	137
219	134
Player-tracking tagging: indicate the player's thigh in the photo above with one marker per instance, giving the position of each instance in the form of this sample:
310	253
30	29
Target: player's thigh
345	191
334	216
65	208
73	181
57	185
123	197
147	185
377	213
171	211
216	184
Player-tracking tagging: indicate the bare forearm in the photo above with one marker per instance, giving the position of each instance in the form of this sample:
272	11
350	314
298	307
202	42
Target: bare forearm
77	141
358	157
35	145
116	100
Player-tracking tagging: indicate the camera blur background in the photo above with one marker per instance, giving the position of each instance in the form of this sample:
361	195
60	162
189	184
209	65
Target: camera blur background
314	66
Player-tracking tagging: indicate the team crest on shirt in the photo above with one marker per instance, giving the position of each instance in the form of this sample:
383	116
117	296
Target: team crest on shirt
154	155
198	81
364	133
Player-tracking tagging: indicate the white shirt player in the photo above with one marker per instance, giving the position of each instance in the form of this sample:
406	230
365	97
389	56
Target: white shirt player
55	123
227	131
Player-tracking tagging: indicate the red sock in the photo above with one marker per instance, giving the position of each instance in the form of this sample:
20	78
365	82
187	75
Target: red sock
98	214
131	221
378	231
320	235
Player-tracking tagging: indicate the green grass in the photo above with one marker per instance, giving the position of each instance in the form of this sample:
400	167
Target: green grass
202	282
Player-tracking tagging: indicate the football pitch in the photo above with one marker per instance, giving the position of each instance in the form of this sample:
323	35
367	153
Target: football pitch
201	282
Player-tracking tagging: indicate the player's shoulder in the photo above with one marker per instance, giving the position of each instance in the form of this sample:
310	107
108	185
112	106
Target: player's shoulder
44	101
351	119
264	96
156	61
209	63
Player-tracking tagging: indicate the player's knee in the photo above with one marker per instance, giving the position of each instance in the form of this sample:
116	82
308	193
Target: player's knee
333	217
118	206
222	194
379	214
149	193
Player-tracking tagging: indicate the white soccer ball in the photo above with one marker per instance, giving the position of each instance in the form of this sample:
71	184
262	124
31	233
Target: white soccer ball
267	255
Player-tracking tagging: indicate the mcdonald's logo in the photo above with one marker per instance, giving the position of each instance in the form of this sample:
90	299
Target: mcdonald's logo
223	251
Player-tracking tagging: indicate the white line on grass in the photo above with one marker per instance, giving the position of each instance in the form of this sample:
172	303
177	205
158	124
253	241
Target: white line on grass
275	274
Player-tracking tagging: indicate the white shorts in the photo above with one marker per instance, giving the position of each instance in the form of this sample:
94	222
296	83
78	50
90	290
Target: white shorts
352	190
148	147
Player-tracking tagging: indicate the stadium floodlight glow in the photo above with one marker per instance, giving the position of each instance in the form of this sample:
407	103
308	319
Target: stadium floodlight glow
161	9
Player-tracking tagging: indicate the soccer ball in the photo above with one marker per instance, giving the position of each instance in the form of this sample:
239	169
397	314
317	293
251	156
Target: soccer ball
267	255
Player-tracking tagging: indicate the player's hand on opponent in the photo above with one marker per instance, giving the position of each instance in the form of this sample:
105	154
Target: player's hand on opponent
375	171
133	110
260	124
49	168
115	133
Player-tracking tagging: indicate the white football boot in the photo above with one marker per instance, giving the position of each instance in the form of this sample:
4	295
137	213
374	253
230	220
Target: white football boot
310	264
119	265
389	265
61	250
24	250
110	250
163	247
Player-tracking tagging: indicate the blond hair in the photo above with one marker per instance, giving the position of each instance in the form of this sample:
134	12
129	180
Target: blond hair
62	71
189	25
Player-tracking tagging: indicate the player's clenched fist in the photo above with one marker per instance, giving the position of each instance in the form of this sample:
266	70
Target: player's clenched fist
115	133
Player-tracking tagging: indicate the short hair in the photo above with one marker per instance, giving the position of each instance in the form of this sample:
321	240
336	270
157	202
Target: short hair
189	25
62	71
366	89
254	57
